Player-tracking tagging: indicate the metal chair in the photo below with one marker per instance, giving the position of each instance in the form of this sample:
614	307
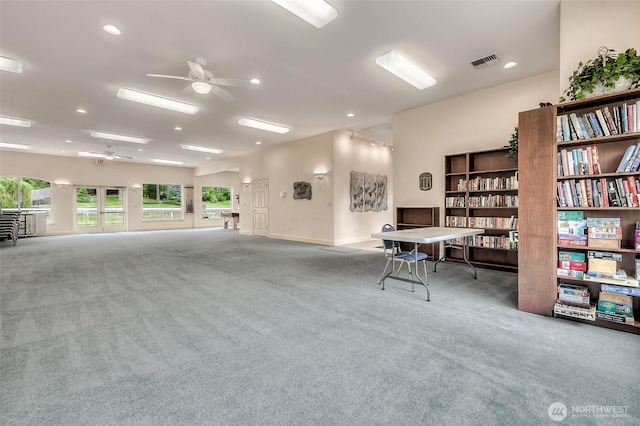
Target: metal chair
393	253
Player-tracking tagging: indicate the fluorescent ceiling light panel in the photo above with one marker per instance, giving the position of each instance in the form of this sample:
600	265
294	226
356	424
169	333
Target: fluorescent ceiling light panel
201	149
90	154
116	137
15	122
400	66
7	64
14	145
157	101
316	12
263	125
157	160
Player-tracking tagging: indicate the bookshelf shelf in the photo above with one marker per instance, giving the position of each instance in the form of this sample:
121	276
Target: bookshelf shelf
542	140
481	189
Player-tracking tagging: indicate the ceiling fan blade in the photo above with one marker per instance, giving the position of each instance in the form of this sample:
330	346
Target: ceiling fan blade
228	82
196	69
186	91
167	76
222	93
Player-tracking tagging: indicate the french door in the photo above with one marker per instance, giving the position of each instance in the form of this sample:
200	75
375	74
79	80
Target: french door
100	209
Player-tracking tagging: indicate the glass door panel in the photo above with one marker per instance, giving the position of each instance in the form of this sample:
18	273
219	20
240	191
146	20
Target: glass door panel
100	209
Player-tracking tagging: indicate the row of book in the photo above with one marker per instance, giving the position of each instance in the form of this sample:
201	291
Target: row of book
606	121
482	222
509	242
599	192
579	161
491	183
494	201
452	202
615	303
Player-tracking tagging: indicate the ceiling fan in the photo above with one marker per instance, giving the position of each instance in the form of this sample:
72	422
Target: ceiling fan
203	82
107	155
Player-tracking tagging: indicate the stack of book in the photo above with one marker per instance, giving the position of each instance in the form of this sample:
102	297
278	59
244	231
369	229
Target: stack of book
571	264
604	232
615	304
574	301
602	266
572	229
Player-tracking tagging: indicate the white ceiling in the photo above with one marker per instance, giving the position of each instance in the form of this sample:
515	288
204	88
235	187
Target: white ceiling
311	78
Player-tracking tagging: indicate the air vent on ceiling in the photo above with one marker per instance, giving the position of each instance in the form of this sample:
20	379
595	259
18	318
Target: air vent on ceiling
485	62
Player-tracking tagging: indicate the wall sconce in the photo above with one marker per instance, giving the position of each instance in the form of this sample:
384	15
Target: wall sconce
319	176
63	185
246	184
136	187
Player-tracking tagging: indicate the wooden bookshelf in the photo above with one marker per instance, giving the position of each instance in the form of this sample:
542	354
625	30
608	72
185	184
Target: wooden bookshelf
481	191
419	217
541	141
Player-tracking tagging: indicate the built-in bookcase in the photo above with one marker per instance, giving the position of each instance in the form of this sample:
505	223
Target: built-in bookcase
544	149
419	217
481	191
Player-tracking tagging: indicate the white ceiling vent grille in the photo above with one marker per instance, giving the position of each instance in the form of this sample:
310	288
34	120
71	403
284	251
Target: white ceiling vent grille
485	62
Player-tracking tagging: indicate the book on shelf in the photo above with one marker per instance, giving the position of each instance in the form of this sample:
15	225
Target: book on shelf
564	309
628	155
619	319
619	289
622	299
615	308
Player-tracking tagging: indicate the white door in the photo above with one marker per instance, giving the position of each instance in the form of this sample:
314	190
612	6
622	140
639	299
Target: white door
100	209
260	207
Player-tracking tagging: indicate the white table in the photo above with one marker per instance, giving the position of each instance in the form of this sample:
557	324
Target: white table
419	236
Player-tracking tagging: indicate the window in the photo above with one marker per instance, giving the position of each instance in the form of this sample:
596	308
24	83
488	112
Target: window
215	200
27	194
161	202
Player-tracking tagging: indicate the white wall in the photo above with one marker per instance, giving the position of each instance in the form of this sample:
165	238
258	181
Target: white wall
476	121
587	25
298	220
361	156
85	172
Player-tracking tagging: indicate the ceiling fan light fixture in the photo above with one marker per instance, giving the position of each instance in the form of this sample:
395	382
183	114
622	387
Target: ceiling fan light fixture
403	68
316	12
157	101
201	149
15	122
116	137
11	65
200	87
263	125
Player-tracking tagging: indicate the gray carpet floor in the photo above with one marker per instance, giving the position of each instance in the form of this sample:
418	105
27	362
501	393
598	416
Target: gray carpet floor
209	327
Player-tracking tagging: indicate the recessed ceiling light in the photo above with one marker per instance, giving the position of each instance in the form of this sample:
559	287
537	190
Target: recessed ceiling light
11	65
157	101
201	149
140	150
400	66
14	145
316	12
111	29
158	160
350	115
15	122
68	141
178	128
81	111
510	64
254	81
116	137
258	143
263	125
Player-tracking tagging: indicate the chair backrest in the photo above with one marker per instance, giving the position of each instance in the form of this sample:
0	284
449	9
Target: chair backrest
388	244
